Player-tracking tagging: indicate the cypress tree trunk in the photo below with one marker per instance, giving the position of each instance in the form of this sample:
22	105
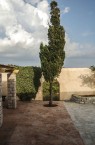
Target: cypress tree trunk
50	99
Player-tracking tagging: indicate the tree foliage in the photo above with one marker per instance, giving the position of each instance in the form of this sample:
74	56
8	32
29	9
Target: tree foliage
52	55
55	91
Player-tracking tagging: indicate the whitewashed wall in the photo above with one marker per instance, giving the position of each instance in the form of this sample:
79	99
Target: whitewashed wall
76	81
71	80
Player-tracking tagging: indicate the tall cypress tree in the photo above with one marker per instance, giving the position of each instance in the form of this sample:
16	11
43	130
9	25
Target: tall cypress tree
52	55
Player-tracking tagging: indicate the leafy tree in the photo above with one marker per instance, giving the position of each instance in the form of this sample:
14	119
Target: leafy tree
52	55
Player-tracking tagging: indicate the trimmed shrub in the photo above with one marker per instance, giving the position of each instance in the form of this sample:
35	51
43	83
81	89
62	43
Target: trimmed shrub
36	78
28	82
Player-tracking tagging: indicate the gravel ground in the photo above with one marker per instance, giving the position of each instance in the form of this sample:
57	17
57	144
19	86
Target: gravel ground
83	116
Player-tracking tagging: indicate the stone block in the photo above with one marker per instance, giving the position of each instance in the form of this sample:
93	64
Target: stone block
11	91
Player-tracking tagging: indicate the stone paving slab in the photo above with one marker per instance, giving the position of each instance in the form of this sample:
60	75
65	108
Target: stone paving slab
83	116
34	124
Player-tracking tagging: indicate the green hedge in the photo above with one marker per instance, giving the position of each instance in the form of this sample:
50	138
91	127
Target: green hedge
28	82
55	91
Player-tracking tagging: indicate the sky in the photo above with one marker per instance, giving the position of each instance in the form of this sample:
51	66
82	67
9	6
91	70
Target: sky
24	25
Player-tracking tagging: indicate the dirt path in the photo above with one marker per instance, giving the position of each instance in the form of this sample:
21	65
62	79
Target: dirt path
34	124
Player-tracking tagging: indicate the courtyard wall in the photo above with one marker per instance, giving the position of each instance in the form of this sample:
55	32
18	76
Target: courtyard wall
76	81
71	80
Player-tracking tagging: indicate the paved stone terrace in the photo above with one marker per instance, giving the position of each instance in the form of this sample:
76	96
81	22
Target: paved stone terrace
34	124
83	116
